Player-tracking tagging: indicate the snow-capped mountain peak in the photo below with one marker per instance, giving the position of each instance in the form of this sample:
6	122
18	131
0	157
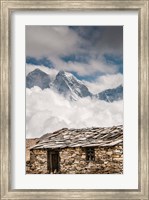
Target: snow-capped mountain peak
68	85
111	95
38	78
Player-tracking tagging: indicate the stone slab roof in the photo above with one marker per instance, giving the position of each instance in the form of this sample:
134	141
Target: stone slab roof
86	137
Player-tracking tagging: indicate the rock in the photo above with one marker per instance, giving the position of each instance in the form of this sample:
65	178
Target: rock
83	156
109	153
100	161
115	156
73	161
117	151
118	159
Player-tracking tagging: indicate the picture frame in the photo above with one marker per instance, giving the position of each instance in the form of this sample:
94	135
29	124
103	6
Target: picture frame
7	8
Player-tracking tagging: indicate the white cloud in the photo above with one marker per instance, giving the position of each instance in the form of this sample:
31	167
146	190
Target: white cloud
83	69
62	40
52	112
104	82
42	41
55	42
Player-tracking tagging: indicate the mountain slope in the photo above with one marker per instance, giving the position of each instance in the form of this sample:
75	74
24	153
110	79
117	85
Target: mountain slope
70	87
38	78
111	95
67	85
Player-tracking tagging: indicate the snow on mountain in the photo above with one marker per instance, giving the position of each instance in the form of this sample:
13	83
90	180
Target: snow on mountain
38	78
69	86
111	95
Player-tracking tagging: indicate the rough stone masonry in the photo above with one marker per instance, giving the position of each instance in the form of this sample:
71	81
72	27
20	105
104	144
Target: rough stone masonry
105	157
108	160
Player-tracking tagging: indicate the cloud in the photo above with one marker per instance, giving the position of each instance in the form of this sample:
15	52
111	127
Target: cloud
77	42
82	69
64	40
104	82
43	41
52	112
93	67
102	39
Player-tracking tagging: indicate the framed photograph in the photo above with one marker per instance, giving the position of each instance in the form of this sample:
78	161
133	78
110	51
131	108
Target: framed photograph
67	88
74	99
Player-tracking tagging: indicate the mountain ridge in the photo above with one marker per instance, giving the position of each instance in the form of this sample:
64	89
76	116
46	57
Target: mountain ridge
67	84
38	78
70	87
111	95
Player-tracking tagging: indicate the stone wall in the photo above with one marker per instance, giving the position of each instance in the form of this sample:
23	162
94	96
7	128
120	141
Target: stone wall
108	160
38	162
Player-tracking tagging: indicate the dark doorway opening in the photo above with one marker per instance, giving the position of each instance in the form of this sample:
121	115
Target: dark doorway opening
53	162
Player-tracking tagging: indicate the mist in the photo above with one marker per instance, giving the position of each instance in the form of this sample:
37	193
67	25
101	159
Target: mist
47	111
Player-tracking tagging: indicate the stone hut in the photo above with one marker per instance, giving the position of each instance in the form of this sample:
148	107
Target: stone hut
79	151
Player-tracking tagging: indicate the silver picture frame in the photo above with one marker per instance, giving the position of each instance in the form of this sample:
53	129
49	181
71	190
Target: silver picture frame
7	8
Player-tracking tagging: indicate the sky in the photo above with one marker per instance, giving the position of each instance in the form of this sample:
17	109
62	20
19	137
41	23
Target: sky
86	51
94	54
